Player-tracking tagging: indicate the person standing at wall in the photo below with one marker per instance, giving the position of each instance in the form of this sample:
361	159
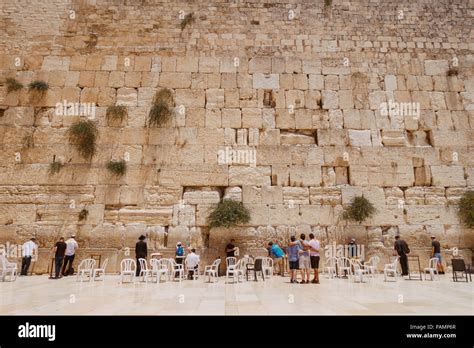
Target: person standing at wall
71	248
28	250
230	248
401	248
141	252
304	260
314	257
277	254
293	249
436	252
59	250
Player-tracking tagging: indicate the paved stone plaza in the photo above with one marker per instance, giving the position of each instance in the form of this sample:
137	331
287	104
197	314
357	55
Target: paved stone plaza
37	295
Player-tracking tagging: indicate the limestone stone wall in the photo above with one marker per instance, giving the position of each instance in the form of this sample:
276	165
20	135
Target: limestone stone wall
295	90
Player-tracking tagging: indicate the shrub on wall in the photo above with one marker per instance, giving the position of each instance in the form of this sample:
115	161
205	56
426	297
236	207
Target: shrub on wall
466	209
118	168
38	86
116	114
83	135
359	209
228	213
161	109
83	214
55	166
13	85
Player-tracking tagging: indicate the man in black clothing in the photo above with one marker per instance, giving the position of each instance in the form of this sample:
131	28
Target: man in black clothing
230	248
59	251
436	252
401	247
141	252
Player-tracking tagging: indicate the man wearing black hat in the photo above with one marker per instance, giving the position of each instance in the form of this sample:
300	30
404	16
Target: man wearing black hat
401	247
141	252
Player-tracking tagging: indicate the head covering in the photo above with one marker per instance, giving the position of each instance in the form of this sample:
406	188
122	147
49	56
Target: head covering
353	240
73	236
178	244
433	237
142	237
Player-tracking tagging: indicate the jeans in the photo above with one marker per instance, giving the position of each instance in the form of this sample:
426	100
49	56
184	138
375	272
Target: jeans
58	260
25	264
68	260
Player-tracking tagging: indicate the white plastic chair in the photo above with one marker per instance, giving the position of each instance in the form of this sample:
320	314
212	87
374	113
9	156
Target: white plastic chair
390	269
358	271
343	266
195	271
432	269
128	267
371	265
7	268
268	266
330	267
213	270
177	269
99	273
157	271
235	272
145	272
86	268
230	261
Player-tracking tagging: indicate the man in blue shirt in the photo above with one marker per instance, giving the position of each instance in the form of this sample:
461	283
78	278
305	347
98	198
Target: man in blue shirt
277	253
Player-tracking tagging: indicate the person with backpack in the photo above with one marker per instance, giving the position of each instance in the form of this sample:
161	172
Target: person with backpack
402	249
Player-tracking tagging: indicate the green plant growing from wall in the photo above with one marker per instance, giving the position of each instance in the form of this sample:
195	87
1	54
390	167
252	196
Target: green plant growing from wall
13	85
83	135
466	209
55	166
83	214
38	86
118	168
161	110
228	213
359	209
116	114
188	19
327	3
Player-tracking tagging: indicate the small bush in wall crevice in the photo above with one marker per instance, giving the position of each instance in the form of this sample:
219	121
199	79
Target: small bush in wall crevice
161	110
118	168
359	209
116	114
228	213
38	86
83	214
83	135
466	209
55	166
13	85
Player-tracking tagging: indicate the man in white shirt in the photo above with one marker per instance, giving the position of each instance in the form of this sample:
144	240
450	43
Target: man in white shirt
28	250
192	262
314	257
71	248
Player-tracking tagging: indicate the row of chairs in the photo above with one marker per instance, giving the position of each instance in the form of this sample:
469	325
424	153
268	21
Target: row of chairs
164	268
351	268
87	269
236	269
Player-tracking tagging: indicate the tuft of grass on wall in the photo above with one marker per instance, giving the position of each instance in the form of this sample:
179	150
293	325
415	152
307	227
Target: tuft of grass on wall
55	167
83	135
83	214
116	114
38	86
13	85
118	168
359	209
228	213
161	110
466	209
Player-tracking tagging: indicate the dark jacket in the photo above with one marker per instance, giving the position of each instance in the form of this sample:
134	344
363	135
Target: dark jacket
141	250
401	247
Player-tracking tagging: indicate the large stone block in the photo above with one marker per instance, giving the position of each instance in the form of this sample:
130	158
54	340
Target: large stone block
266	81
246	175
448	175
